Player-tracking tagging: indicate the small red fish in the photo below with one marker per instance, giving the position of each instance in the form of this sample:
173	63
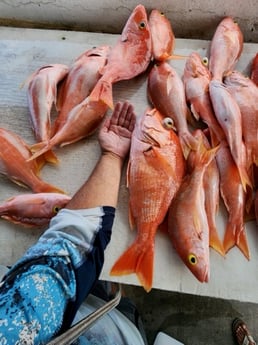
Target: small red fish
155	171
34	209
225	48
229	117
254	70
245	92
14	164
82	121
81	79
212	196
188	226
128	58
166	92
233	195
42	95
163	39
196	79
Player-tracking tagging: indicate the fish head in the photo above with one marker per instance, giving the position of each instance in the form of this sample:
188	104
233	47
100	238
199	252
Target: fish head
155	129
137	25
163	39
196	258
196	66
98	51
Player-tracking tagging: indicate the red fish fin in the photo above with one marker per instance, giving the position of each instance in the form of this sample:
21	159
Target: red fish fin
102	92
155	159
39	149
44	187
137	259
166	56
215	241
245	180
188	143
50	157
236	237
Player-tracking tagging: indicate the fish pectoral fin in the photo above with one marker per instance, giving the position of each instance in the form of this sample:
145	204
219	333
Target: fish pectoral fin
158	161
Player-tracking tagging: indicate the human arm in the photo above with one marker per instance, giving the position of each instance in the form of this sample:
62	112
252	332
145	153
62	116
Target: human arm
102	186
44	289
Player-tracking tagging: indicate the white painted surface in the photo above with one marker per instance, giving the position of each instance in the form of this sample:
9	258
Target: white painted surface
24	50
189	18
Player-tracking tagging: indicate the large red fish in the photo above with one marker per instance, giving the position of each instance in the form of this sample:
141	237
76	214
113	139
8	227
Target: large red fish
196	79
234	199
34	209
81	79
82	121
229	117
166	92
155	171
14	164
42	95
163	39
188	226
128	58
225	48
245	92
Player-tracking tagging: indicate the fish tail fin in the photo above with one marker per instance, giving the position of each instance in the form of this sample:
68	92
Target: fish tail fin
205	155
103	92
138	259
235	236
245	179
44	187
42	148
215	241
50	157
188	143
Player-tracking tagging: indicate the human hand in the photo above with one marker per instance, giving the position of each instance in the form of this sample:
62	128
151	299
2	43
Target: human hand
116	131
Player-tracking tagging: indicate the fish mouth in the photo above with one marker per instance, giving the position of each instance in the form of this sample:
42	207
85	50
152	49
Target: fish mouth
206	275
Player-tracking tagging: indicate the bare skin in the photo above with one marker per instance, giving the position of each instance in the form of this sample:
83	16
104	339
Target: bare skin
241	333
102	187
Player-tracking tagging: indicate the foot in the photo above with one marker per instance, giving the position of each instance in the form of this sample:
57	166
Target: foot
241	333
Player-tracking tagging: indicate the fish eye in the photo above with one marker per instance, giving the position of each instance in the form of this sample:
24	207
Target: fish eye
205	61
142	25
162	13
56	209
168	123
192	259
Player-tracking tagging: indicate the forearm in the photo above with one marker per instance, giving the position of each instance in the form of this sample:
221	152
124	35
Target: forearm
102	187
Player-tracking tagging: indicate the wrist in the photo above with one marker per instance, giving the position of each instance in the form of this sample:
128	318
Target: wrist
113	156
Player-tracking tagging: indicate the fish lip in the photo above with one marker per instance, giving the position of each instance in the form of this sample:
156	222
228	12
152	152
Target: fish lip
206	275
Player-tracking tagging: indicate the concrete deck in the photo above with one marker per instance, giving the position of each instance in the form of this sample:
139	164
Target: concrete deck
191	319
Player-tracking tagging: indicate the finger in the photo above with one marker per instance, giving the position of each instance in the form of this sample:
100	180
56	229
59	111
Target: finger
116	113
125	114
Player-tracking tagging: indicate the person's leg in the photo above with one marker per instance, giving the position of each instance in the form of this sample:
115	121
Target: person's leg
241	333
105	290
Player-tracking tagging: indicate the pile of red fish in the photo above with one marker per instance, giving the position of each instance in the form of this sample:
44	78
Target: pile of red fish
196	143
